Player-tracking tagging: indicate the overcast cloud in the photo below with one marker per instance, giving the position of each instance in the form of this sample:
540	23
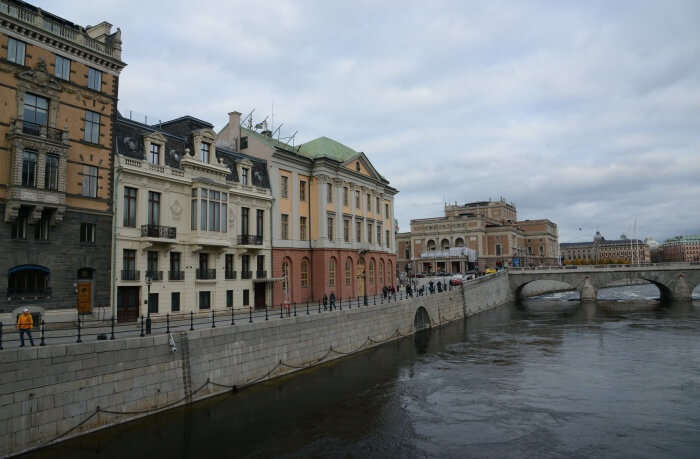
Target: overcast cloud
586	113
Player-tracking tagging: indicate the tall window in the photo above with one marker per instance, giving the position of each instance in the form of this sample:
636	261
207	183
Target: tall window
302	190
29	168
386	210
94	79
345	196
348	272
62	68
381	272
371	271
245	265
302	228
259	222
152	264
379	234
357	199
369	202
329	193
51	172
331	227
369	232
498	249
204	300
87	233
244	175
36	113
331	273
229	266
378	210
193	210
19	226
41	229
284	230
229	298
260	263
15	51
175	301
153	208
304	273
358	231
129	260
154	154
285	278
204	152
387	238
129	206
346	230
175	266
284	186
244	220
246	297
92	127
213	210
89	181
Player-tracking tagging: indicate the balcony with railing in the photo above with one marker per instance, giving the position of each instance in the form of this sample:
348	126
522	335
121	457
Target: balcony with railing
260	274
246	274
230	274
20	126
130	275
159	232
176	275
250	239
155	276
206	274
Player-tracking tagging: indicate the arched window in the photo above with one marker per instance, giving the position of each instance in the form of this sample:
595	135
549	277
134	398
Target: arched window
445	244
371	271
381	272
390	273
331	272
28	280
431	245
348	272
459	242
304	273
286	277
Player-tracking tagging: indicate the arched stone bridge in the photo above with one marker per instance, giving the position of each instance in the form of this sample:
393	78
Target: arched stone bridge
675	281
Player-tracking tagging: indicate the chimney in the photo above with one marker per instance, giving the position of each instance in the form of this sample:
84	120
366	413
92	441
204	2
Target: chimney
234	118
234	130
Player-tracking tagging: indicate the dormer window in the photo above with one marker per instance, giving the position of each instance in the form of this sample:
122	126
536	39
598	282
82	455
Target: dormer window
204	152
357	166
244	176
154	154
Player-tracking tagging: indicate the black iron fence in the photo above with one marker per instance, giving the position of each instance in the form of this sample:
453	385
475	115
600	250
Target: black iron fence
165	232
85	329
250	239
205	274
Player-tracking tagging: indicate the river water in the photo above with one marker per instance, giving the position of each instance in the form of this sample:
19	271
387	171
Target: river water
548	379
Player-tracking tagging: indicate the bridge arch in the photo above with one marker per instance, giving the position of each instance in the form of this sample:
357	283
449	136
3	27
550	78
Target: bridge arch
542	287
421	319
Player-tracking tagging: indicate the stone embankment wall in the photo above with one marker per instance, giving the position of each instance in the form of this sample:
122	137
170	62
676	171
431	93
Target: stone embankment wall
54	392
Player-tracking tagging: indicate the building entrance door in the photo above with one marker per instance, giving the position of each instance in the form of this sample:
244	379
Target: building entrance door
259	292
127	304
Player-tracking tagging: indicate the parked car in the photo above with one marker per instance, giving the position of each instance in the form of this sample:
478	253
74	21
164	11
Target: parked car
490	271
456	280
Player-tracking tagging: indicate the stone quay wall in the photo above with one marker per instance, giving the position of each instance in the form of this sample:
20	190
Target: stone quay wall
51	393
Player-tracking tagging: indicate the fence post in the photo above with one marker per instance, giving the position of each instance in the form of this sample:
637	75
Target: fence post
375	300
281	309
191	321
42	334
112	337
213	320
167	323
142	335
307	307
233	316
265	311
319	307
79	340
250	314
0	335
295	309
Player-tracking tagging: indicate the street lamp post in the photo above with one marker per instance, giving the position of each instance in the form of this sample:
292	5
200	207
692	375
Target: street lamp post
148	302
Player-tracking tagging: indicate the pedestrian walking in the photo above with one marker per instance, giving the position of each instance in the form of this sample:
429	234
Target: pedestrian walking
325	302
332	300
25	323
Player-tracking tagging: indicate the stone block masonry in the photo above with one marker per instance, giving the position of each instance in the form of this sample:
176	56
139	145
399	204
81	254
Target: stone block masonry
51	393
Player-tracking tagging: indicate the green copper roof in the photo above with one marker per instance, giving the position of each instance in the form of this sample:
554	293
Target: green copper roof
329	148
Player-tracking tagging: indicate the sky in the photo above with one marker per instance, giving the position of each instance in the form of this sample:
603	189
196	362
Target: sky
585	113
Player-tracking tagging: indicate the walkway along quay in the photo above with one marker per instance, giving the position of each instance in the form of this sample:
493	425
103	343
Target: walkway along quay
54	392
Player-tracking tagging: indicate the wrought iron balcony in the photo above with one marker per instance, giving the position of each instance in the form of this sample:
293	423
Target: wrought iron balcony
246	274
164	232
260	274
206	274
249	239
154	275
38	130
130	275
28	292
176	275
230	274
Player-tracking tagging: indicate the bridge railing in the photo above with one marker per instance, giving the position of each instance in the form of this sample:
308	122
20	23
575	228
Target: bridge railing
596	267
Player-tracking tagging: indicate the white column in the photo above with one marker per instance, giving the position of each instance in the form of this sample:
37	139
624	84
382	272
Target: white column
322	213
293	222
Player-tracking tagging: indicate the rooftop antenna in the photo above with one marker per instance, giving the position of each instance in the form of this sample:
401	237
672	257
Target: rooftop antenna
290	140
249	119
262	124
277	131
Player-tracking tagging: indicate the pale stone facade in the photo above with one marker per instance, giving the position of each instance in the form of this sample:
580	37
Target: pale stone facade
681	248
186	219
601	250
488	230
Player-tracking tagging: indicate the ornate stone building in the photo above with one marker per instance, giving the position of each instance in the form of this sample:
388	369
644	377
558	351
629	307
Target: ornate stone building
476	235
333	216
602	250
681	248
192	218
58	91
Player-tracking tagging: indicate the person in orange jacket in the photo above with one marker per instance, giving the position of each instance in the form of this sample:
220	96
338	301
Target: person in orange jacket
25	323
